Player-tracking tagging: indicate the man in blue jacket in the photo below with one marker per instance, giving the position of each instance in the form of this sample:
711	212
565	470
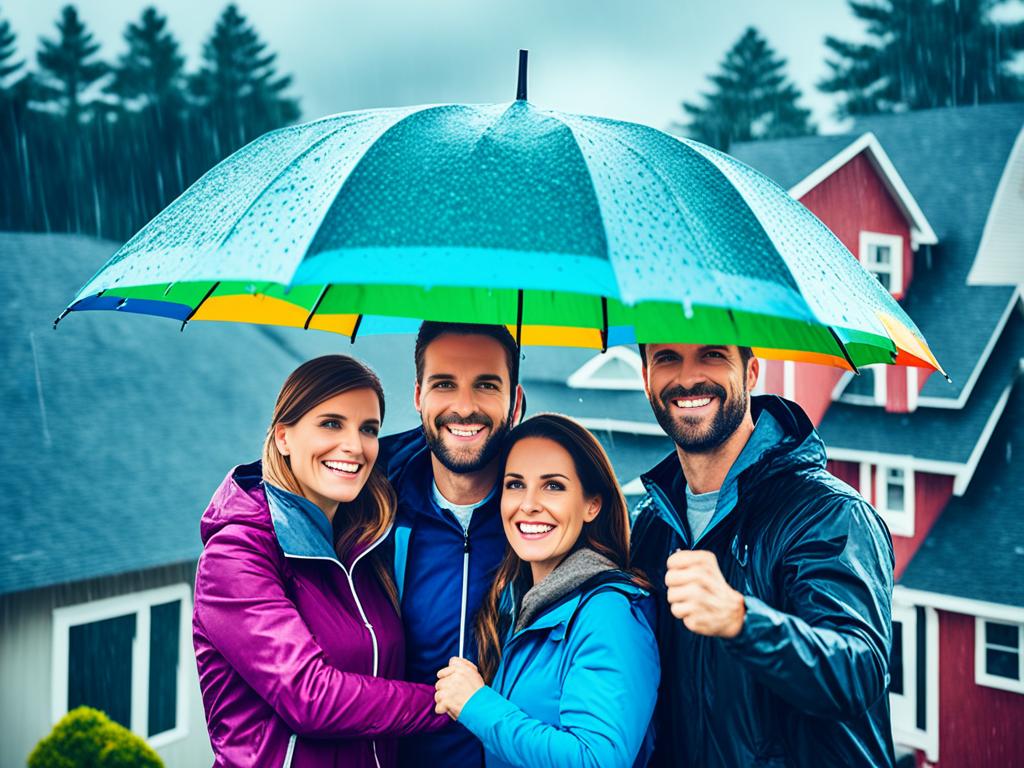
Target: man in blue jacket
774	579
449	538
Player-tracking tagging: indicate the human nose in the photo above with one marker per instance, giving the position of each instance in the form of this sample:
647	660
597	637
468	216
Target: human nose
530	504
349	442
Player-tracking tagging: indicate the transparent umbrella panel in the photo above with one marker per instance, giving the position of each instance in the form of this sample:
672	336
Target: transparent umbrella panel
572	230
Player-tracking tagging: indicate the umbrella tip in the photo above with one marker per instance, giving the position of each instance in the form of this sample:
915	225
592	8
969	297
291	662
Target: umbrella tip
521	88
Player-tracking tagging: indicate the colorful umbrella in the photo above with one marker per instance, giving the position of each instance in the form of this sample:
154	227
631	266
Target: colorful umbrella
572	230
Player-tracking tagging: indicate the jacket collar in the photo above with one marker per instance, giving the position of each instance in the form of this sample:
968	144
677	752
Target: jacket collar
302	528
783	437
415	486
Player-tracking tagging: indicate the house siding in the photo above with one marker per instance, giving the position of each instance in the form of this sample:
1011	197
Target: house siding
26	662
931	495
977	725
847	471
855	199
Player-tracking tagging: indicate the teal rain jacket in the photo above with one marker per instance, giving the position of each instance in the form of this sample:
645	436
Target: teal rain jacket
575	687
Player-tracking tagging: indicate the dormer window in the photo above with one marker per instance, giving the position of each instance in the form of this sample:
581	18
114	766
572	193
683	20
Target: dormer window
882	256
618	368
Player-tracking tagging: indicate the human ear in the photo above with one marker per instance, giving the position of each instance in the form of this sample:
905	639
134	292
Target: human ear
416	397
281	438
592	509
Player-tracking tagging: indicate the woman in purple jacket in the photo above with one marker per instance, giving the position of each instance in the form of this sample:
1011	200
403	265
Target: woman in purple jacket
296	628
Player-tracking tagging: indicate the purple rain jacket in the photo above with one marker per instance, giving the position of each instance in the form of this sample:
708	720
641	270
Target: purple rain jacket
299	654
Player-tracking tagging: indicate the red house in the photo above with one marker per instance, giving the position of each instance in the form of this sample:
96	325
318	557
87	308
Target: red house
912	196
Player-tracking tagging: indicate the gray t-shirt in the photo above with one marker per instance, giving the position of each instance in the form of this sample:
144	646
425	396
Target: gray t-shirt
700	508
463	512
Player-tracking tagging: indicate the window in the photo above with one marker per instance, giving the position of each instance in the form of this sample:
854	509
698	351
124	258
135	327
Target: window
892	494
127	656
882	256
998	647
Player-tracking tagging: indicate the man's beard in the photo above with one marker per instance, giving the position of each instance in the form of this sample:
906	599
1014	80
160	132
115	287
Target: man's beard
452	460
726	421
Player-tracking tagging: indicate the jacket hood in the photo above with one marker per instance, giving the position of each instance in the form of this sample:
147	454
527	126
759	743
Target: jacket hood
238	499
783	441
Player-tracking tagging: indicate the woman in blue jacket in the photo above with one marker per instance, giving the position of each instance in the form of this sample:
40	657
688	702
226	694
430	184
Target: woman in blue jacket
568	662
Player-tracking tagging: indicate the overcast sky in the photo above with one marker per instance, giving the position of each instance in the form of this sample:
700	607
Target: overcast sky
633	60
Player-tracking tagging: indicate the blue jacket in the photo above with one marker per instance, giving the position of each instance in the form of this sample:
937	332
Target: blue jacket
443	576
804	683
573	690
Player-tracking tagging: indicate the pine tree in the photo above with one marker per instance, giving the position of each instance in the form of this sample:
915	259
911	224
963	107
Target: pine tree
8	48
67	65
924	54
752	98
149	75
237	87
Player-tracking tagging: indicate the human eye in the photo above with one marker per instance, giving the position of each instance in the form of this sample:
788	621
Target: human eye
444	385
514	485
488	385
371	430
554	485
714	354
330	424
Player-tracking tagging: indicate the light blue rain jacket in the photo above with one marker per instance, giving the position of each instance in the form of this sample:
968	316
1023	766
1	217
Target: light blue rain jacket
579	698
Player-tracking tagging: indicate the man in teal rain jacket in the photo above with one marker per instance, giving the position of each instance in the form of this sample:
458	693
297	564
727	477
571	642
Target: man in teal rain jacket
773	578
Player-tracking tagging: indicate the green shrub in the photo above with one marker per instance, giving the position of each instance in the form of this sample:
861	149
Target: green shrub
87	738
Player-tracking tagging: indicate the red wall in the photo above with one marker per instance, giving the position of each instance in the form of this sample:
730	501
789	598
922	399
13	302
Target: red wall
814	385
896	390
847	471
854	198
977	725
931	495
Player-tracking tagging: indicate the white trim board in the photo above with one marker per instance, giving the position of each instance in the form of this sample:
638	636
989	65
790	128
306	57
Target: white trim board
962	605
921	232
598	424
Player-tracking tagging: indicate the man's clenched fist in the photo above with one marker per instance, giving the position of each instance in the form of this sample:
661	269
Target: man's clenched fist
700	595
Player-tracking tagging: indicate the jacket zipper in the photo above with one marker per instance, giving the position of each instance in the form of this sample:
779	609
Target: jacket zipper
465	593
366	623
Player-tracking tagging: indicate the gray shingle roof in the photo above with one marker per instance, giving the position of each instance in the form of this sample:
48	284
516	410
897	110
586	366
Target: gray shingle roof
939	434
976	549
118	428
951	161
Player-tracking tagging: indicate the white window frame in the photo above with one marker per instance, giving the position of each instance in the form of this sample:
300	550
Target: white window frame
900	523
137	603
907	733
587	376
880	379
981	676
895	267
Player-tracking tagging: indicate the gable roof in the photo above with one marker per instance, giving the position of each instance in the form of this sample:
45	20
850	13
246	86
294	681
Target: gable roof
920	230
953	175
1000	259
949	441
976	548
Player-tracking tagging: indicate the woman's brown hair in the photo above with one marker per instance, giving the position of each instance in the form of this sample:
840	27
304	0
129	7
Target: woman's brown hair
367	517
607	534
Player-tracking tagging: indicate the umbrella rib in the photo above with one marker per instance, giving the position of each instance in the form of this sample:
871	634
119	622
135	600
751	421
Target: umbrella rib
355	330
519	320
604	324
197	306
316	306
842	348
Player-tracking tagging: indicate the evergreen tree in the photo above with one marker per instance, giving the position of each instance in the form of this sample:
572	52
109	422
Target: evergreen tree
752	98
8	48
237	87
150	73
924	54
68	67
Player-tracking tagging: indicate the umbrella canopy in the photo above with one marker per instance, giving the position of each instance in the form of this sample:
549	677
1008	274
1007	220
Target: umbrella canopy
572	230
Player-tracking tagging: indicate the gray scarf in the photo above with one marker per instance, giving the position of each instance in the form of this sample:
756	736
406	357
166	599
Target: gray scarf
568	575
